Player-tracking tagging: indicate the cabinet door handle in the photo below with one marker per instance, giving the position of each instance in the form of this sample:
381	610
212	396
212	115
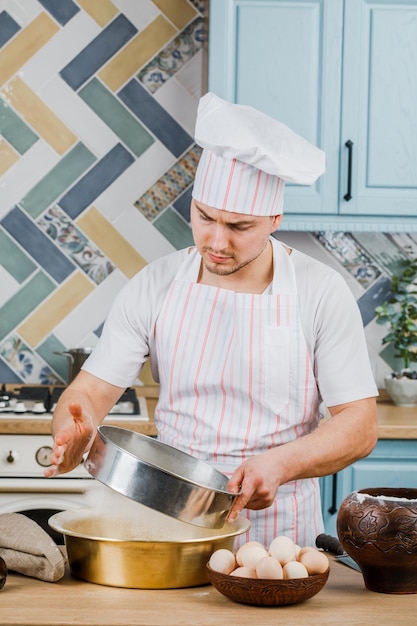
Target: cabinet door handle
333	507
349	146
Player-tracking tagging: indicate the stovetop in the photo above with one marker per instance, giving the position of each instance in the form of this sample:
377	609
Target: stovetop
30	402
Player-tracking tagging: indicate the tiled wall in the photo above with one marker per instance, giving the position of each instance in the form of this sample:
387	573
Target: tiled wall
97	109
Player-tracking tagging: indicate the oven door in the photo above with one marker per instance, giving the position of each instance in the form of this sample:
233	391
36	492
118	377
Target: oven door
39	498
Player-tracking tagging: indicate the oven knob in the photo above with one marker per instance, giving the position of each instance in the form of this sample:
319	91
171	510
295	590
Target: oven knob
12	456
43	456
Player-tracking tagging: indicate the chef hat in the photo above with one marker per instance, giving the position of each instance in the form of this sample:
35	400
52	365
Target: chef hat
247	157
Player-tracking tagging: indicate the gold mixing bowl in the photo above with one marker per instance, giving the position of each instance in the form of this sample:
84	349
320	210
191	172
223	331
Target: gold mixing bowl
146	551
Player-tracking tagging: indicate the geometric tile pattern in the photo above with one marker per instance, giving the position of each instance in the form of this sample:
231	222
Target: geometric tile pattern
89	92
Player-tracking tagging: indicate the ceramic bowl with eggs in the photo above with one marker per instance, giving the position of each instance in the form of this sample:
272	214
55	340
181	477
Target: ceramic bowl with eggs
278	575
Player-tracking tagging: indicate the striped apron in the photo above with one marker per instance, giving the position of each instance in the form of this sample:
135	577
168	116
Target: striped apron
236	379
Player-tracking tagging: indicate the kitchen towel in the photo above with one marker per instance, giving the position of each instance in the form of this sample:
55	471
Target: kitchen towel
27	549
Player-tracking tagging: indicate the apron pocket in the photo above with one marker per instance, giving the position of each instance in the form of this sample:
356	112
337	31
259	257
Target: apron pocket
277	367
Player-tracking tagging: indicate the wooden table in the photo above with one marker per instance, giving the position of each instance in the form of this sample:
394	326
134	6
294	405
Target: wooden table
344	600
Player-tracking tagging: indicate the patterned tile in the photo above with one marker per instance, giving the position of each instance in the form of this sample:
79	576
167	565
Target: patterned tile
57	225
99	51
26	363
55	308
95	181
115	115
138	52
25	44
57	362
24	302
60	177
171	185
15	130
38	245
8	27
173	57
160	123
14	259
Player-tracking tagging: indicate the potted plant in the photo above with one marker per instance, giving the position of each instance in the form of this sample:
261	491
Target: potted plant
399	314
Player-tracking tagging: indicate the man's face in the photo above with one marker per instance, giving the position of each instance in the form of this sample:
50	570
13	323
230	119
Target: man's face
228	241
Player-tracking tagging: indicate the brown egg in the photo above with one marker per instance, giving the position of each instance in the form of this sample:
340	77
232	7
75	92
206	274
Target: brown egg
270	568
283	549
244	572
294	569
223	561
314	561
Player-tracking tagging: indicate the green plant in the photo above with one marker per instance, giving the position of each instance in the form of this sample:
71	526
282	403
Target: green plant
399	313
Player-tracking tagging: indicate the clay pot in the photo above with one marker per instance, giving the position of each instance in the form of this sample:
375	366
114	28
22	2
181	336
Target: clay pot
378	528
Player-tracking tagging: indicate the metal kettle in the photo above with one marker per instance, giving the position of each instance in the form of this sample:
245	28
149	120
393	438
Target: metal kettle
76	358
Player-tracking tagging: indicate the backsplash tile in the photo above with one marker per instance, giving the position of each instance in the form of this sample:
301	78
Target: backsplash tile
92	184
58	179
33	240
97	110
129	130
99	51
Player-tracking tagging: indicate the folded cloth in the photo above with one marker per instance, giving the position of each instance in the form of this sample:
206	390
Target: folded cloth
27	549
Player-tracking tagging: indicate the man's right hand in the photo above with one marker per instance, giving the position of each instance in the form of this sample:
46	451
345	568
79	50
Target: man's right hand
71	440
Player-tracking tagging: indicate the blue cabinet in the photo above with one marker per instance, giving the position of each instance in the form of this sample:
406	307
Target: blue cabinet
337	72
393	463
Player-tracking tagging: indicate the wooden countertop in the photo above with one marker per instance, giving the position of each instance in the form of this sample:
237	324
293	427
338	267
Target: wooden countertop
26	601
394	422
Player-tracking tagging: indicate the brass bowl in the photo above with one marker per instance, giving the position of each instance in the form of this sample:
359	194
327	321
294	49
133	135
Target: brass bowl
145	551
263	592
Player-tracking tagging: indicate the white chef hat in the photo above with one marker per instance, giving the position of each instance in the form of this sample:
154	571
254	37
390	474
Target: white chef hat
247	157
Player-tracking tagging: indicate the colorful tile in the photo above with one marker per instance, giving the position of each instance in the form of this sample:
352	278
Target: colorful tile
138	52
7	374
183	204
8	156
109	240
171	185
56	224
8	27
174	56
159	122
102	11
14	259
115	115
77	329
62	11
25	362
39	116
24	302
37	245
48	350
25	44
171	225
98	52
25	173
15	130
62	176
50	313
96	181
180	12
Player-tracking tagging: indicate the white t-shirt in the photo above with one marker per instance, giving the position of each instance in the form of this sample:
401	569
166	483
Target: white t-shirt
330	319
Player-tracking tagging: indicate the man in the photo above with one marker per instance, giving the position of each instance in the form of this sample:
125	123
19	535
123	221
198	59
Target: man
245	336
